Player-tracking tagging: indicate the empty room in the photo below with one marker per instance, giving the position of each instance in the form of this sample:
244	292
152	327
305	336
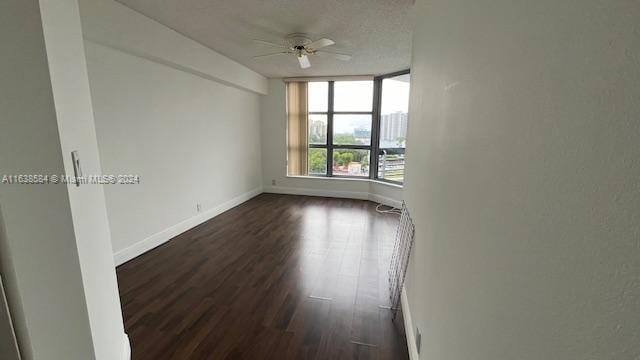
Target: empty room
319	179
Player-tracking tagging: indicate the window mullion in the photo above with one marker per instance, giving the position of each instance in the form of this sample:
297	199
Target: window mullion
375	128
330	130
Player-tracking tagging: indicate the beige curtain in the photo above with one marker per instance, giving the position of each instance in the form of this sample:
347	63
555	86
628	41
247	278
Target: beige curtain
297	138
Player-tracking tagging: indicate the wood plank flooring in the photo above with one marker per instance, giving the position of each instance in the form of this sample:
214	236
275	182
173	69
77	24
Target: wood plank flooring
278	277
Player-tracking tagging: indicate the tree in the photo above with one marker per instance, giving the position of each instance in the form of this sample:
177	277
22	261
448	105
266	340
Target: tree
346	158
317	161
344	139
316	139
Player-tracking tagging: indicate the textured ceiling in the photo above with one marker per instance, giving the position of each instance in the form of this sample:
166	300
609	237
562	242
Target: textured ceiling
376	32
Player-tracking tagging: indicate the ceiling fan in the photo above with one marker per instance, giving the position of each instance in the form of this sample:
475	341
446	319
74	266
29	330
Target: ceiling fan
302	47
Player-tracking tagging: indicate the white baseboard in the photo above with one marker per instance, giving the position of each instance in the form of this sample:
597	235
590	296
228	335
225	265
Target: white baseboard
408	326
385	200
126	347
317	192
334	194
165	235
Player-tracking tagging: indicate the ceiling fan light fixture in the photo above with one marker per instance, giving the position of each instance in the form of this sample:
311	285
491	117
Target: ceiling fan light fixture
304	62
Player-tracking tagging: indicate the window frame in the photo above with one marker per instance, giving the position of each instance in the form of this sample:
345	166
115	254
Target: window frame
374	145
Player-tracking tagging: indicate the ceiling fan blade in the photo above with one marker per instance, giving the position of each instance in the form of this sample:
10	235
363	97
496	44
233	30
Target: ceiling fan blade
269	55
267	43
343	57
304	61
318	44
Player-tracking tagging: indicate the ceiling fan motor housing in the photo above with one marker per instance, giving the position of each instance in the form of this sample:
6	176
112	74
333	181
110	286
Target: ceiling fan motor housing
298	42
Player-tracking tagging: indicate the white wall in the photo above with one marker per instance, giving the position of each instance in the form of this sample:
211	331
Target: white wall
55	253
274	157
522	178
8	342
70	83
190	138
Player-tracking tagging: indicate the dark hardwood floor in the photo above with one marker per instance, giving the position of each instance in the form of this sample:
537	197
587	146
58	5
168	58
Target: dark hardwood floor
278	277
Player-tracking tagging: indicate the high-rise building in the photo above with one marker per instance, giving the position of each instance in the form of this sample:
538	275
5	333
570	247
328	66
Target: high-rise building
317	130
393	127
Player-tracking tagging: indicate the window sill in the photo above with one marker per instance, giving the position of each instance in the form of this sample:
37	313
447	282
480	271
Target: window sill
397	186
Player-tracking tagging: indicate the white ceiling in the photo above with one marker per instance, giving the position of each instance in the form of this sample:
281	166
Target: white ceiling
376	32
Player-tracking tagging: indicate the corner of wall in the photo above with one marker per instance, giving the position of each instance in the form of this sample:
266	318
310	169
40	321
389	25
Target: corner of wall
126	347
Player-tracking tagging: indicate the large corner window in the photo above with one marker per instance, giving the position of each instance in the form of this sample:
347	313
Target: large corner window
358	128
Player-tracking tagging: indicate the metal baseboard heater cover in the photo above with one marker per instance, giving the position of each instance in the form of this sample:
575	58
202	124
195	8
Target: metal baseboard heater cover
405	235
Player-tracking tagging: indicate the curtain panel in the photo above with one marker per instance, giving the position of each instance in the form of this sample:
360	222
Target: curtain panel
297	128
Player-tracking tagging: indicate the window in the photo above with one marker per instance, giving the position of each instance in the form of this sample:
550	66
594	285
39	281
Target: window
318	103
351	162
317	161
358	128
318	98
340	123
354	129
318	129
353	96
394	113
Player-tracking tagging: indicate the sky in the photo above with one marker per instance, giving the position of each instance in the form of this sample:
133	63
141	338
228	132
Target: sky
395	96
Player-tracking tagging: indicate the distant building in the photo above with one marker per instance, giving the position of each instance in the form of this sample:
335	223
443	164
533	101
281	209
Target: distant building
317	130
393	127
362	133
